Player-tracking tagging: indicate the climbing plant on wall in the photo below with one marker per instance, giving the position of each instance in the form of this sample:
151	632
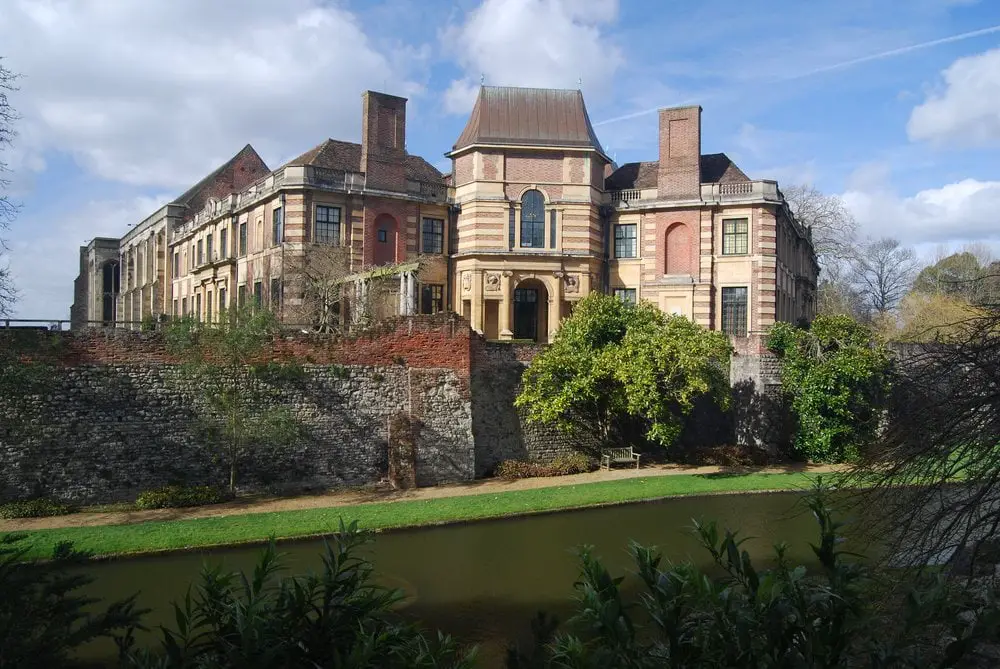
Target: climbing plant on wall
614	364
836	376
236	382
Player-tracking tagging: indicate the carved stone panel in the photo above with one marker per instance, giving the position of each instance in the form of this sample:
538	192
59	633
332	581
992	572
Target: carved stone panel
571	283
492	281
466	282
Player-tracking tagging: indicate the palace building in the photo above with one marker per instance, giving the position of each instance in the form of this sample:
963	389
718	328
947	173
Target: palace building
533	217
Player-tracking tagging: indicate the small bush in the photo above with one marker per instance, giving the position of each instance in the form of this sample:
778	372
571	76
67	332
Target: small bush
575	463
172	496
34	508
724	455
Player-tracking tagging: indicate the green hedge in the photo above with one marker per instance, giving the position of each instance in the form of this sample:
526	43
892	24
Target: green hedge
176	495
34	508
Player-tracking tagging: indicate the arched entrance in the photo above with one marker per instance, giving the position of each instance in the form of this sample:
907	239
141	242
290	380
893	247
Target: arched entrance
531	304
386	231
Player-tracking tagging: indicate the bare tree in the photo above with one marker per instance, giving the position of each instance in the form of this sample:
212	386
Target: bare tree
320	272
833	227
8	209
882	271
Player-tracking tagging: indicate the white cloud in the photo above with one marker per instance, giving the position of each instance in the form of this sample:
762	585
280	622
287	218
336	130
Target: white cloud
45	265
544	43
159	93
965	211
966	112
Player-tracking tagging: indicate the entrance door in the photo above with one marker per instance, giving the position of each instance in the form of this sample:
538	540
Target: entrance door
526	313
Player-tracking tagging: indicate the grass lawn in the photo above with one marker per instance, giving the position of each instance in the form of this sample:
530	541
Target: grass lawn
200	532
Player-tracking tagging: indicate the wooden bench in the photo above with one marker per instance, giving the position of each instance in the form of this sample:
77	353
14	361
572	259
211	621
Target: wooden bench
611	456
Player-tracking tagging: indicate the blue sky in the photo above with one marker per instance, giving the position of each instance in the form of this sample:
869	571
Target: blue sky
893	104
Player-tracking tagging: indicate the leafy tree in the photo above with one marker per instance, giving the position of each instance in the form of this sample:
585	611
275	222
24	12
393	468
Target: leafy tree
968	275
748	618
43	617
836	375
334	618
926	317
613	362
227	360
7	207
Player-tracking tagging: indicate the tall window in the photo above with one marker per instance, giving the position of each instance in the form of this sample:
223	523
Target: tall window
626	295
197	306
511	230
431	298
177	263
734	311
209	248
275	294
258	293
625	236
224	242
277	226
734	236
433	235
222	299
328	225
241	295
552	228
201	253
243	239
532	220
184	306
176	313
208	306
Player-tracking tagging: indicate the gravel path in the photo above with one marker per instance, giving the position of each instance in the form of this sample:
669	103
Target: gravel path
373	494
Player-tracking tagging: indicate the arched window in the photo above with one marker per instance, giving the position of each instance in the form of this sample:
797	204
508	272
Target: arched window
532	220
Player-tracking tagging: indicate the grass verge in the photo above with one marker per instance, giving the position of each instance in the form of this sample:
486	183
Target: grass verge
110	540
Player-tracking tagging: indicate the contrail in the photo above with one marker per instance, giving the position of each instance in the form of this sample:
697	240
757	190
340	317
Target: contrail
836	66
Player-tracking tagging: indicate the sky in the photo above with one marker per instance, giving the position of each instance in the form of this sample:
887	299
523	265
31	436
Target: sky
892	104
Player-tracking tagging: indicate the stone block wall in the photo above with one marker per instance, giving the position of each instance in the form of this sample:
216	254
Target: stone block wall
119	415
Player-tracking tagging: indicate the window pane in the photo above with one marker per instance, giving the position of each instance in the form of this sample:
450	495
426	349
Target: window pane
223	243
433	235
277	226
625	241
275	294
510	228
735	237
328	225
626	295
243	239
552	229
734	311
532	220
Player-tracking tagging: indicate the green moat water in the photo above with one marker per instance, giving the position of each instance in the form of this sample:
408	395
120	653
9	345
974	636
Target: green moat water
484	581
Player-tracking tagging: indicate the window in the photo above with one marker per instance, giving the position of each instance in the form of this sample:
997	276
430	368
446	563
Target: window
625	241
328	225
510	228
177	263
241	295
734	236
224	242
201	253
552	228
208	306
197	306
184	306
176	313
626	295
209	248
258	293
383	235
243	239
433	235
734	311
431	298
222	299
277	226
532	220
191	259
275	294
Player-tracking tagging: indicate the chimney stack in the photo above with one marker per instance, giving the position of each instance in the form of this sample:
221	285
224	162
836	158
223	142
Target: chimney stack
383	141
679	175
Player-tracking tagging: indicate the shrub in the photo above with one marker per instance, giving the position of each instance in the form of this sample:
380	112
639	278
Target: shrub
575	463
176	495
34	508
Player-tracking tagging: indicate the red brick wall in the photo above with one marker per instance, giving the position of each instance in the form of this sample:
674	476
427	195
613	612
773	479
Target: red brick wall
491	162
682	256
400	210
679	175
576	171
463	169
247	168
383	141
441	341
534	167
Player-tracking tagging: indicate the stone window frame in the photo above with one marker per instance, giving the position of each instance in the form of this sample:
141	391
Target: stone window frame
537	220
332	235
277	226
431	298
244	241
723	323
735	248
634	239
435	236
626	294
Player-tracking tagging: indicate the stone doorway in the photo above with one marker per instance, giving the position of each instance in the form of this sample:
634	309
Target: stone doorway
530	308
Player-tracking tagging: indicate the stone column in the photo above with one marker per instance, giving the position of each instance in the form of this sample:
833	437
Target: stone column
404	286
411	293
476	317
555	305
506	302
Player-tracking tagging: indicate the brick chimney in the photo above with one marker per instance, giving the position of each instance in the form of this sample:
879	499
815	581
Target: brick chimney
383	141
679	175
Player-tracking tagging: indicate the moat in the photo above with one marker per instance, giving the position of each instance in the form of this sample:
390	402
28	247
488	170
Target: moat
483	581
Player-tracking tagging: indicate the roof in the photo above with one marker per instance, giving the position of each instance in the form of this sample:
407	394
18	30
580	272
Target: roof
334	154
508	116
715	168
192	193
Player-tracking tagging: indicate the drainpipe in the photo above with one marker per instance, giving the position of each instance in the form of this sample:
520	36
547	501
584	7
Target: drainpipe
605	212
453	210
